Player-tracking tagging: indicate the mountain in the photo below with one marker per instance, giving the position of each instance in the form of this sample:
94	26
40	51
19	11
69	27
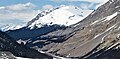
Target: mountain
52	19
63	15
8	44
70	14
97	36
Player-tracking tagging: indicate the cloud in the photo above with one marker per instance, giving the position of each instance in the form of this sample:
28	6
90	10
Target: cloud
88	6
84	6
24	16
55	0
22	6
96	1
19	7
24	12
47	6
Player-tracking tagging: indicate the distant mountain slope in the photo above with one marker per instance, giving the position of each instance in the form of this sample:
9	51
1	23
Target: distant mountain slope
8	44
10	27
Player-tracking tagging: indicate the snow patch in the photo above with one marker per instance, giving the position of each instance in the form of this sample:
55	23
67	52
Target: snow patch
105	31
108	18
23	41
117	6
21	58
111	16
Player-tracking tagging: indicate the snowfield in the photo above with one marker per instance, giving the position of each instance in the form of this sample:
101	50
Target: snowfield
65	15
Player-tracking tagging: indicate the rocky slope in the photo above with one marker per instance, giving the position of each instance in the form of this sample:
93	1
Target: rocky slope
99	31
96	35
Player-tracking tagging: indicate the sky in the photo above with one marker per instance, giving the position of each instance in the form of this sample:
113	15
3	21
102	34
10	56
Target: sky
19	12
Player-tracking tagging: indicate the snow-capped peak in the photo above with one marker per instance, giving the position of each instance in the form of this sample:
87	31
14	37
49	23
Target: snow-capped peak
63	15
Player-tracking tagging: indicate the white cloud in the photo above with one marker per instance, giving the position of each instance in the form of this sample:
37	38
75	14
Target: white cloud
24	12
18	7
87	6
99	2
47	6
84	6
55	0
23	16
21	6
96	1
